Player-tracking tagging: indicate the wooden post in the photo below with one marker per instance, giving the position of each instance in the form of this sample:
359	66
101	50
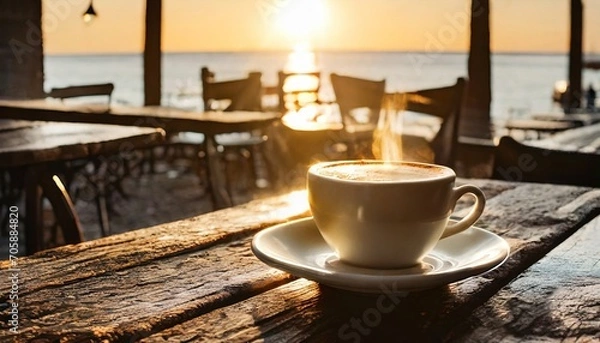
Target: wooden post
475	121
21	49
152	53
574	93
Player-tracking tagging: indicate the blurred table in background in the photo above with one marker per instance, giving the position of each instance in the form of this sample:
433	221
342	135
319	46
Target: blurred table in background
582	139
38	149
539	127
172	120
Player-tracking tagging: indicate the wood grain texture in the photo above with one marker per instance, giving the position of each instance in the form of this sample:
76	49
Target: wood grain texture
556	300
71	263
198	278
49	142
171	119
303	311
77	292
158	294
296	305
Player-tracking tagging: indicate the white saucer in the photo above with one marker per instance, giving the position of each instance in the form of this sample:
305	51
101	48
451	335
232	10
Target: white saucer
298	248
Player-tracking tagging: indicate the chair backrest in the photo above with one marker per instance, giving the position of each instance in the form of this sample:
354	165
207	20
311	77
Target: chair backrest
515	161
294	97
83	91
352	93
444	103
244	94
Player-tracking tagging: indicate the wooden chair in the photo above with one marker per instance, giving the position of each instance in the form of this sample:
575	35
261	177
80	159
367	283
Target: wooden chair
66	217
444	103
95	177
34	184
352	93
104	89
244	95
515	161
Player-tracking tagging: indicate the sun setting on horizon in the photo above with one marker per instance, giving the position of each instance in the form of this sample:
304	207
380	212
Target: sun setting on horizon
355	25
302	20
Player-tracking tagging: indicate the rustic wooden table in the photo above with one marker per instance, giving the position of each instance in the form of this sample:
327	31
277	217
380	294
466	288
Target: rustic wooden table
583	139
197	279
539	126
172	120
40	145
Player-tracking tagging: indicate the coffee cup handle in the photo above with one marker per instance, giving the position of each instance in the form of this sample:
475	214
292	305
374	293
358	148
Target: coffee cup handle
473	215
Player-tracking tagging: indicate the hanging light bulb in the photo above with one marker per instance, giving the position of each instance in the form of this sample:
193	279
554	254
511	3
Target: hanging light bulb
90	13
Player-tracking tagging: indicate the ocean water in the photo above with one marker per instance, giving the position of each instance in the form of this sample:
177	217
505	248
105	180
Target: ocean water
521	83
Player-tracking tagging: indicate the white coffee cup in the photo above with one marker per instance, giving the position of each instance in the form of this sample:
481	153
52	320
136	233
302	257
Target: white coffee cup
386	215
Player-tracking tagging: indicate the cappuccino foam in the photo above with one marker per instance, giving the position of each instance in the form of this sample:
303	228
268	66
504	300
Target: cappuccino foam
381	172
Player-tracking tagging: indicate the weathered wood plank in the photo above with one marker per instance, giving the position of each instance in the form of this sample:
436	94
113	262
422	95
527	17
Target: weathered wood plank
250	320
303	311
134	302
556	300
71	263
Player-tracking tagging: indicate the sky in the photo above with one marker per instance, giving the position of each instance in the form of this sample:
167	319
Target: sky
372	25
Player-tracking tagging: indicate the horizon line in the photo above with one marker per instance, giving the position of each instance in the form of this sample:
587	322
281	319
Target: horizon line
455	52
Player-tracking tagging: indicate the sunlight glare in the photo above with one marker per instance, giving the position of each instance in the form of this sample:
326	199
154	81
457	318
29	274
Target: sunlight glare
301	19
301	60
296	202
300	87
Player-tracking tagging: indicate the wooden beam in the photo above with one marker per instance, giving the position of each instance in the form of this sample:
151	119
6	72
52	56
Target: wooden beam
475	121
152	53
574	92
